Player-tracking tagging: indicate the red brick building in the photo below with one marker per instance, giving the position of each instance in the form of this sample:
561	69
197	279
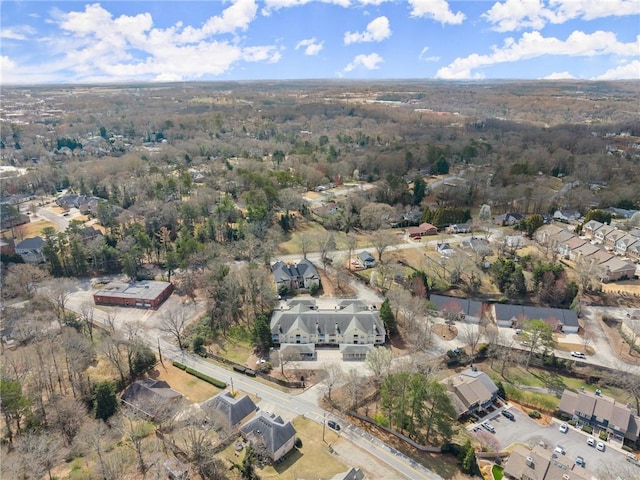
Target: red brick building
146	294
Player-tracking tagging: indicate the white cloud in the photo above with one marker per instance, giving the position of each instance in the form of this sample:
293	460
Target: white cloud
436	9
377	30
20	32
533	44
513	15
559	76
311	46
629	71
271	5
370	62
423	56
95	44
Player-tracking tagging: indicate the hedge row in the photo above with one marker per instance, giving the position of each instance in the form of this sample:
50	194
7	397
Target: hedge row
206	378
201	376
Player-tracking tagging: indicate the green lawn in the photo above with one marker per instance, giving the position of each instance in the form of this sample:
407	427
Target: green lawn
497	472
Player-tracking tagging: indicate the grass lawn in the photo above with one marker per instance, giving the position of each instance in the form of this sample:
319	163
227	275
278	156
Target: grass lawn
312	460
28	230
191	387
497	472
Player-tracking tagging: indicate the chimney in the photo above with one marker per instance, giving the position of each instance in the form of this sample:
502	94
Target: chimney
530	462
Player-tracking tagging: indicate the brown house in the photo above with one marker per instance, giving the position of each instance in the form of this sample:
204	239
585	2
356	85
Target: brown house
422	230
147	294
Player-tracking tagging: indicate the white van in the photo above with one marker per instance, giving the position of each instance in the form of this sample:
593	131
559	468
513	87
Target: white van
591	441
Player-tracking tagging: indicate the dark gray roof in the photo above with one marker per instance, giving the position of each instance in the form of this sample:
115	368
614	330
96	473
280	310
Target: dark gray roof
145	290
350	349
467	306
32	243
508	312
301	316
283	272
144	390
307	348
232	408
366	257
269	427
563	316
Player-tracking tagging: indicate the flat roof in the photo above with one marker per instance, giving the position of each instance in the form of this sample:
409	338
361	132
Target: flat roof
145	290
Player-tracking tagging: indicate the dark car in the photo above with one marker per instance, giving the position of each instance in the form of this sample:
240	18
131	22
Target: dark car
509	415
333	425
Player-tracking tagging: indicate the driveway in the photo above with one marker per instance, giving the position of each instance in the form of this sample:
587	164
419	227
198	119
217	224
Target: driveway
526	431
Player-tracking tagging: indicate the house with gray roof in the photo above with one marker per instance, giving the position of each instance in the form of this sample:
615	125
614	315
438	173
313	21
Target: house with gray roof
471	311
149	396
232	408
295	276
470	391
541	464
269	431
348	322
30	249
516	315
367	259
602	413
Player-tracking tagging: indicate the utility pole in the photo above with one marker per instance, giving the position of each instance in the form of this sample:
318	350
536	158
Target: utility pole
324	424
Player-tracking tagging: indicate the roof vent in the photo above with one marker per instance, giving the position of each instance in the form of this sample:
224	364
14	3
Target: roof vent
530	462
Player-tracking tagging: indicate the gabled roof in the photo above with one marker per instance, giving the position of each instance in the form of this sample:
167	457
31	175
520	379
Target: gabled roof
284	272
366	257
144	393
232	408
351	349
32	243
592	225
270	428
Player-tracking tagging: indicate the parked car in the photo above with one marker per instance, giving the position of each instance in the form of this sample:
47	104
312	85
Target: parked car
600	446
564	428
560	449
578	355
580	461
591	441
333	425
488	426
509	415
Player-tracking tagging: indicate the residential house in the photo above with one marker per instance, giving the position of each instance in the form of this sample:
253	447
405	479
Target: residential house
231	408
150	396
367	259
601	234
422	230
544	233
348	322
570	247
589	229
444	249
470	391
481	246
507	219
621	212
355	352
515	315
583	251
353	473
616	269
566	216
31	249
298	351
612	238
471	311
541	464
556	241
622	244
633	251
602	413
460	228
270	432
515	241
295	276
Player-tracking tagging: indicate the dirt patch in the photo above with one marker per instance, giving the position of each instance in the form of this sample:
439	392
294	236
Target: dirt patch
445	332
575	347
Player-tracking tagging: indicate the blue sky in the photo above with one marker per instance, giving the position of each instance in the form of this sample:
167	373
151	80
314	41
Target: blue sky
123	41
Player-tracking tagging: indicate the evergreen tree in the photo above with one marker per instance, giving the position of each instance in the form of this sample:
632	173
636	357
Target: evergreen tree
262	334
387	317
105	401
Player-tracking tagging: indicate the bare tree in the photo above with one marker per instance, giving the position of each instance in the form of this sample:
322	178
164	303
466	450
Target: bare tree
353	387
352	243
326	243
381	241
58	292
174	322
67	416
333	376
38	454
379	362
197	441
304	242
23	279
134	429
488	442
471	335
86	318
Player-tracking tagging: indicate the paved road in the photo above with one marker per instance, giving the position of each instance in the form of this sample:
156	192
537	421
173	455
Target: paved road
304	404
61	222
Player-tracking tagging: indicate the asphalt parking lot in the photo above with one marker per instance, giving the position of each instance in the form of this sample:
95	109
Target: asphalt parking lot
525	430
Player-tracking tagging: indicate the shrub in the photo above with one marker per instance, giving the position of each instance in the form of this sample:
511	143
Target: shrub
452	448
572	423
298	442
587	429
315	288
603	435
534	414
627	448
206	378
179	365
381	420
198	344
